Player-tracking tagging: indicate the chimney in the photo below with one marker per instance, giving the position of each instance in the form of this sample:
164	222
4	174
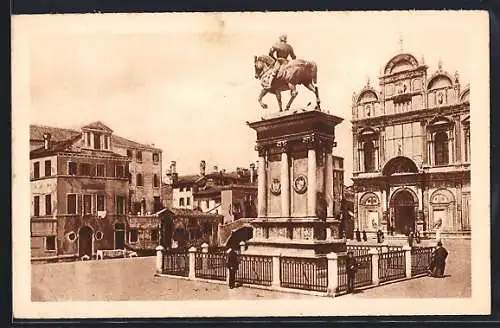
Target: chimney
203	165
46	140
252	172
172	167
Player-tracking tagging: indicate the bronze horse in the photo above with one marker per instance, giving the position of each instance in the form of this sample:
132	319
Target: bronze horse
291	74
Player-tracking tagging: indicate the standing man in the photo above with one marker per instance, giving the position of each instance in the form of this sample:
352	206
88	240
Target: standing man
358	235
438	261
410	238
351	267
232	265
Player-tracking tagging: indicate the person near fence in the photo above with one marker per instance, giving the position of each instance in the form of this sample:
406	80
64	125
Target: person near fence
358	235
365	238
410	238
380	236
438	261
351	267
232	265
417	237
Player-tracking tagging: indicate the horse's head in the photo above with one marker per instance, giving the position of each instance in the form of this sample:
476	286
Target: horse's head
261	64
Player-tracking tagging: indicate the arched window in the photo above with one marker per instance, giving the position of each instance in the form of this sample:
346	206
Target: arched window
369	154
441	148
467	144
139	180
156	181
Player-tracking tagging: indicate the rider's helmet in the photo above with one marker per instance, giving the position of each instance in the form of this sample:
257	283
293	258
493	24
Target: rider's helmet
283	37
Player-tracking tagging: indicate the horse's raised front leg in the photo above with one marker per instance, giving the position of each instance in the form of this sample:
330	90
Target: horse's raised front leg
278	97
263	92
293	94
314	89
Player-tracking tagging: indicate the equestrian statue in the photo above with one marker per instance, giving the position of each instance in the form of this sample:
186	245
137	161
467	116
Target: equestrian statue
276	73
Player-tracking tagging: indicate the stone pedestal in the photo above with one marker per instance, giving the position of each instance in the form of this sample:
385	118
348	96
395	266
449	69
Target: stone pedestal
295	185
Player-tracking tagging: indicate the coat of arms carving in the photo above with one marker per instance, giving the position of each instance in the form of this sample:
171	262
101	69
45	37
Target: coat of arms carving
276	187
300	184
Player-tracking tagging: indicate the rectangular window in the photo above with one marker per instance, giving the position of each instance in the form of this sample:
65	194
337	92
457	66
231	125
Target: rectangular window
100	202
48	204
50	243
85	169
188	188
188	201
133	236
120	171
138	156
155	235
120	205
156	158
100	170
181	201
129	153
36	206
48	168
71	168
36	170
87	138
106	142
71	203
97	141
87	204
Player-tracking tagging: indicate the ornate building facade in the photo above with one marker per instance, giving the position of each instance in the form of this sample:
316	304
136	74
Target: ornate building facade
411	141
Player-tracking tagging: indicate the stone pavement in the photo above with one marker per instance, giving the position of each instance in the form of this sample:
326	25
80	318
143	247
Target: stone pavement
133	279
130	279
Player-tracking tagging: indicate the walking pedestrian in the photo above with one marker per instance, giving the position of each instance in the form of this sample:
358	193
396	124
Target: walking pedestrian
351	267
232	265
438	261
358	235
365	238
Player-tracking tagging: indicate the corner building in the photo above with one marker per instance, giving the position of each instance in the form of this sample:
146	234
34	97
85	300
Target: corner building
411	142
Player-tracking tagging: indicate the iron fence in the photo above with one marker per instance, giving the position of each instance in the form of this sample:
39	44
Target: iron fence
176	263
255	269
420	259
304	273
210	266
362	276
391	266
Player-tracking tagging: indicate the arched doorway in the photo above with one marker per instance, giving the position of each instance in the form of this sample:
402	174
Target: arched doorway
403	206
85	246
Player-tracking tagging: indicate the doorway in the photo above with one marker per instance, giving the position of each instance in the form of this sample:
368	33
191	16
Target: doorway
119	236
404	212
85	242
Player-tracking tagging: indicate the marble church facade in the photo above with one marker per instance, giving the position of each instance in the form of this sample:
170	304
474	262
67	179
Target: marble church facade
411	141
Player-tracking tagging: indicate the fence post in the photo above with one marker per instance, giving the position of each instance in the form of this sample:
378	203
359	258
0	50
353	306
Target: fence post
333	273
276	271
192	262
375	258
204	258
159	259
407	249
242	246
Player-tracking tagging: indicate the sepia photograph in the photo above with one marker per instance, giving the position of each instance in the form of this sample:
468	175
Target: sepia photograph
191	164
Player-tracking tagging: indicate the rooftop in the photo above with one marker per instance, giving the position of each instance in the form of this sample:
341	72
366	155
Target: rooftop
60	134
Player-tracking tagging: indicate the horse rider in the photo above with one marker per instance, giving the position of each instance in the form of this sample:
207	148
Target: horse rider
282	50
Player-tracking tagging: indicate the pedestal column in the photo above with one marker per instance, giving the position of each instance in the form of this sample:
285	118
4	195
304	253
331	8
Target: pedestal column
311	182
329	184
261	187
285	185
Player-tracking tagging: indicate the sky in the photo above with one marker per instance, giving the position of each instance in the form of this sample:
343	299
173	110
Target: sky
185	82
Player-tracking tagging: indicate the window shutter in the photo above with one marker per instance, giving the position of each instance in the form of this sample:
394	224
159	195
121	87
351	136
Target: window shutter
79	204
